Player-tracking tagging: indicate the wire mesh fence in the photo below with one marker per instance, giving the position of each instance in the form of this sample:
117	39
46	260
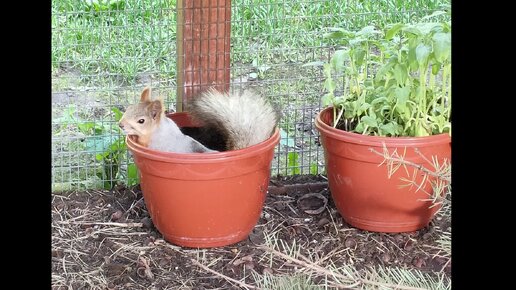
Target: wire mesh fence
105	52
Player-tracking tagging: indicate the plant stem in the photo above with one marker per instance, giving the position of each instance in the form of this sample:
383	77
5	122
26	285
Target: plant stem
334	116
431	84
366	58
447	82
443	88
420	120
354	73
341	111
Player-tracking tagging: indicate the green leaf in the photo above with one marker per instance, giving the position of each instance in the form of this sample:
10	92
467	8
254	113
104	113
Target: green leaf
118	113
386	68
359	128
413	63
376	101
109	184
422	53
393	30
350	110
338	59
117	145
86	128
385	109
435	68
421	131
339	101
400	74
100	156
404	111
329	84
363	107
368	31
369	121
314	169
358	56
427	28
327	70
442	46
91	128
132	174
446	26
390	128
334	35
357	41
327	100
402	95
293	162
412	30
338	33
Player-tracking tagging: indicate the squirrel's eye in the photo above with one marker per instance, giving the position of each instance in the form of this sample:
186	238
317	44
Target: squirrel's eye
141	121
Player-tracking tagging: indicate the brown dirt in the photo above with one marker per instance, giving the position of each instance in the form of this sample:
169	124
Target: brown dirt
105	240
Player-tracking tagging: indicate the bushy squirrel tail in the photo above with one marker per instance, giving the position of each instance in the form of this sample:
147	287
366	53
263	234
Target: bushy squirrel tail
243	117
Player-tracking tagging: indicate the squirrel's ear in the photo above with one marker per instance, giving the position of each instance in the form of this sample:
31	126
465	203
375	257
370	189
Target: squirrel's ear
156	108
146	95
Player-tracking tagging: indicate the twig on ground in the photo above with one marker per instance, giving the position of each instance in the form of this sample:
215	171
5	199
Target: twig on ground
123	225
311	266
321	270
240	283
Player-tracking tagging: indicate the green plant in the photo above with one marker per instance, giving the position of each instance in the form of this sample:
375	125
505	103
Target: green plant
314	169
108	145
104	141
112	154
293	163
395	82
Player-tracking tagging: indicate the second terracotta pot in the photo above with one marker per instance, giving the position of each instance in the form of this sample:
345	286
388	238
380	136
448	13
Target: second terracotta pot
360	186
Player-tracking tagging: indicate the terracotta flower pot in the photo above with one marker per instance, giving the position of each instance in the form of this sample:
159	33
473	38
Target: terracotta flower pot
364	195
204	200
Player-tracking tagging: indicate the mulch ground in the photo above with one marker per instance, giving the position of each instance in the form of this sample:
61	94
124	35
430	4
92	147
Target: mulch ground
106	240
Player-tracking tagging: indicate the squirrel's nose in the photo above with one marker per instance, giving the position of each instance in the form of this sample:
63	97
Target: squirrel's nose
121	126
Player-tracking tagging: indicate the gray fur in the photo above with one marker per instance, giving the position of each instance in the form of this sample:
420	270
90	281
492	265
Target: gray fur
180	143
245	117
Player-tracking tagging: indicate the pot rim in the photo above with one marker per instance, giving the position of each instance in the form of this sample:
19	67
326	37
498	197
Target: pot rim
225	156
357	138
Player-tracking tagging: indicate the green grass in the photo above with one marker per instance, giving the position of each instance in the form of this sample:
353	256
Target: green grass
118	42
286	28
134	37
104	56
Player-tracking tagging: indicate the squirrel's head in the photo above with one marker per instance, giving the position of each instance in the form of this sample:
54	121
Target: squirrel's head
142	119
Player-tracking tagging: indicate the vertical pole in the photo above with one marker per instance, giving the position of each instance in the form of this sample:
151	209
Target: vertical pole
203	47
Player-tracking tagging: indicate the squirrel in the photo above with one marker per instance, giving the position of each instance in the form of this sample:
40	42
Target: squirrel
242	118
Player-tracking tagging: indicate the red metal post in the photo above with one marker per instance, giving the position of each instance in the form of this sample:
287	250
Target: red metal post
203	47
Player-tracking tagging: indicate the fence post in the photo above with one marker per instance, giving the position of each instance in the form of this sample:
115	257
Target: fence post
203	47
